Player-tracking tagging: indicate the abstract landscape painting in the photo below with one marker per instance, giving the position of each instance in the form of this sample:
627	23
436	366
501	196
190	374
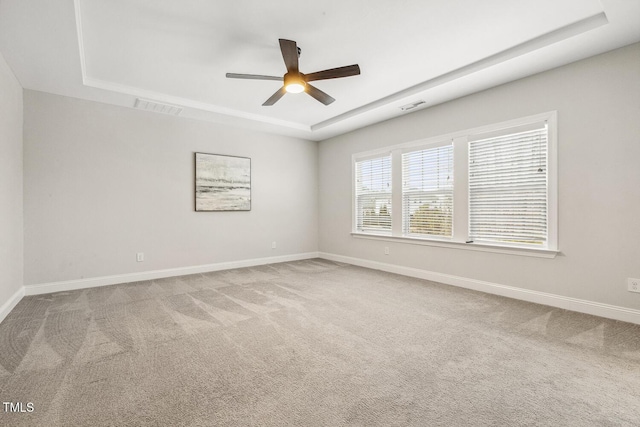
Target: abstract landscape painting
223	183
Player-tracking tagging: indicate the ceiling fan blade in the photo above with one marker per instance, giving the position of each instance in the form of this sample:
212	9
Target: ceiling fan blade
275	97
318	94
289	50
252	77
334	73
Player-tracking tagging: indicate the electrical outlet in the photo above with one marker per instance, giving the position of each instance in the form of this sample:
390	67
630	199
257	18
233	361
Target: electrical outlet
273	245
140	256
633	285
386	250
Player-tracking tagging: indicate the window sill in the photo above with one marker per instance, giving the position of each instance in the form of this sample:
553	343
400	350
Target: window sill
501	249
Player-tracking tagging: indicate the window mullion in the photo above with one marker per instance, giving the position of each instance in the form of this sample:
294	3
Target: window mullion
460	190
396	192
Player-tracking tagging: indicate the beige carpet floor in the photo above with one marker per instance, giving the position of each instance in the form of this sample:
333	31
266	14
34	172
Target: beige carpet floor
312	343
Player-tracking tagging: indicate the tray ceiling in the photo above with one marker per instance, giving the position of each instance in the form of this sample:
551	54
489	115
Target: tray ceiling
177	53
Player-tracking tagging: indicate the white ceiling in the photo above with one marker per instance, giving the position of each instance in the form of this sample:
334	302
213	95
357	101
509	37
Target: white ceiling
408	50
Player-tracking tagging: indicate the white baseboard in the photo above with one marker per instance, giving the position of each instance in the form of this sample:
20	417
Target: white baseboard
69	285
6	308
553	300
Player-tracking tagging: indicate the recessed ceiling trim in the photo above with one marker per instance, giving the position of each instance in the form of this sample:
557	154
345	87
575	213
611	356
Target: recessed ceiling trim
536	43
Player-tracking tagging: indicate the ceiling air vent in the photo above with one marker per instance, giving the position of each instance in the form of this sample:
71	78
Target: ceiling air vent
156	107
412	105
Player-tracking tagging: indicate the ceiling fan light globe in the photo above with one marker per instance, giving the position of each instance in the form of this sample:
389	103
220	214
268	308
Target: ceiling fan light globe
294	82
294	88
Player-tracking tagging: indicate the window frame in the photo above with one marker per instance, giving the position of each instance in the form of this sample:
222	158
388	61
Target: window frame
354	198
460	224
507	155
402	153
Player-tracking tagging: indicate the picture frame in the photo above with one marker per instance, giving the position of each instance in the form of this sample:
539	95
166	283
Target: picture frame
222	183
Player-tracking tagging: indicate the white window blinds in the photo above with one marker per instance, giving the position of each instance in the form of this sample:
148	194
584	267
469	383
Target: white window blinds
427	191
373	195
508	188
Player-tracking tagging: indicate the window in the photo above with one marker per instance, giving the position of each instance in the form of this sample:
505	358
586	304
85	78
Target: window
508	188
373	194
427	191
487	187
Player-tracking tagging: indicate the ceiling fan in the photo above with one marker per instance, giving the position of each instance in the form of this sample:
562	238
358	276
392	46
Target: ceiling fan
294	80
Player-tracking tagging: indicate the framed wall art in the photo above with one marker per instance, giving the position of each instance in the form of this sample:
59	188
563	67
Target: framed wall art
223	183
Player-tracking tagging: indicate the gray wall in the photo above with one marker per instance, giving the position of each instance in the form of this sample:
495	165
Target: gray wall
104	182
11	239
598	104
